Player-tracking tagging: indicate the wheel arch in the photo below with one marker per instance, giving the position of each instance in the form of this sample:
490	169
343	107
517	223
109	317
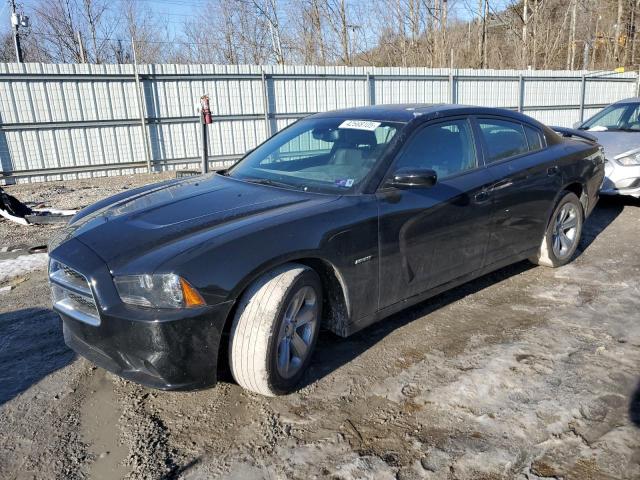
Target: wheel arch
573	186
336	304
577	187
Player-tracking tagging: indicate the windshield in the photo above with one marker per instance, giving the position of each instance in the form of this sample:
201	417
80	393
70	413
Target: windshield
327	155
615	118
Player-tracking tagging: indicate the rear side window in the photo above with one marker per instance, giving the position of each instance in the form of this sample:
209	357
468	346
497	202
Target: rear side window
533	138
504	139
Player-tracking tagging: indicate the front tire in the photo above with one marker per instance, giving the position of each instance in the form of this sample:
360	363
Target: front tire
563	233
275	329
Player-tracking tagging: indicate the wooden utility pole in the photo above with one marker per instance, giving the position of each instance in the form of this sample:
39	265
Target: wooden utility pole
480	32
534	53
15	23
571	50
525	36
344	31
443	29
631	34
636	8
595	43
618	32
484	34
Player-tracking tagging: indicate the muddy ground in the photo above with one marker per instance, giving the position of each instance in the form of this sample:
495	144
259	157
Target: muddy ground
526	373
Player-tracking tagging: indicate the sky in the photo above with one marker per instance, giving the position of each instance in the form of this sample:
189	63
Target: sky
176	13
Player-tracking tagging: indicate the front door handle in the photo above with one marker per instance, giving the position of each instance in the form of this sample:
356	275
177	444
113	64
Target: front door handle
551	171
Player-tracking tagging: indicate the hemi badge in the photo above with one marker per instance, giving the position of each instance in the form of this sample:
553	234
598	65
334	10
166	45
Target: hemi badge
363	259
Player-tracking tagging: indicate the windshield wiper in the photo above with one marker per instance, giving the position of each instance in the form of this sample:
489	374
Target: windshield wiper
267	181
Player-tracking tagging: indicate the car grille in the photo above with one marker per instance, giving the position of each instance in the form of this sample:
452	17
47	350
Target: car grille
71	294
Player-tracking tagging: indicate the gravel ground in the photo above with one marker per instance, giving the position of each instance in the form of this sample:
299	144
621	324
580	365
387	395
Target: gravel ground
68	195
526	373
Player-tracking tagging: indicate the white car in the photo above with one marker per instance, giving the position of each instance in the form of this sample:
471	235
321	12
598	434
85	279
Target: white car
617	129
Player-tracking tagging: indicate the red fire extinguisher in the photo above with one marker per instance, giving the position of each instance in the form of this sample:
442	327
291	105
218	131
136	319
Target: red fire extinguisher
205	111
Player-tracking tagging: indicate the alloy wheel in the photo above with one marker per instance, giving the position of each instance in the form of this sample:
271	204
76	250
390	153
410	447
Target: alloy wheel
297	331
565	231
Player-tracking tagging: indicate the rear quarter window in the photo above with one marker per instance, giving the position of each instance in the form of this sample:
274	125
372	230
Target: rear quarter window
534	138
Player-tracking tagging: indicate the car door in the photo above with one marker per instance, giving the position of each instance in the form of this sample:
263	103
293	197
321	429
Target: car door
430	236
525	180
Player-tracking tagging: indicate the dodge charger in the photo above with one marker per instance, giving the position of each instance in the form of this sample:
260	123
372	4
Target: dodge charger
335	222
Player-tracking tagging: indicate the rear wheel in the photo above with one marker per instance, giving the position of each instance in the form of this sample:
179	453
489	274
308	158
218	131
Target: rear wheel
563	233
275	329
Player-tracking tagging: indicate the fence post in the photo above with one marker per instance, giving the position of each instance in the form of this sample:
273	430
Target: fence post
141	104
266	102
371	89
521	93
583	88
453	82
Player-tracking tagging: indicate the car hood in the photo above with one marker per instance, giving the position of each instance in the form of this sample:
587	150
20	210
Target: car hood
615	143
147	220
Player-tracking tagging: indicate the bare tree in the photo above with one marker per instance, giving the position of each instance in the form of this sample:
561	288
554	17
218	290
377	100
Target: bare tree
152	43
62	23
268	10
478	33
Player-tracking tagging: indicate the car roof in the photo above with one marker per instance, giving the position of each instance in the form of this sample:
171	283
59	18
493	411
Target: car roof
406	112
629	100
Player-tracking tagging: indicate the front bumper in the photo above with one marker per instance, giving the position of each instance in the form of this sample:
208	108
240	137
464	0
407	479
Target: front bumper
165	349
170	355
621	180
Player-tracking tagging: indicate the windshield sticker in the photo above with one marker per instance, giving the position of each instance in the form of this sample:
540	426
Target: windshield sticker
360	125
345	182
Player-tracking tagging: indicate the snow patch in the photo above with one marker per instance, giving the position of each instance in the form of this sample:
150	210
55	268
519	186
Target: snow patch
22	265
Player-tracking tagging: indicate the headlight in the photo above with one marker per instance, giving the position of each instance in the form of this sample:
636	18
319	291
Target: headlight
628	159
165	290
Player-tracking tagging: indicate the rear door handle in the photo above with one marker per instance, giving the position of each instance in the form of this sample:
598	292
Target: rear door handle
551	171
481	197
502	184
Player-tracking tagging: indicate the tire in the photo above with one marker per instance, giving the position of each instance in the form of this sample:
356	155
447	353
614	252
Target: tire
260	356
563	233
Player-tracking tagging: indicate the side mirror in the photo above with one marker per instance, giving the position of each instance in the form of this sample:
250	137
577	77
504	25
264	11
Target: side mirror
413	178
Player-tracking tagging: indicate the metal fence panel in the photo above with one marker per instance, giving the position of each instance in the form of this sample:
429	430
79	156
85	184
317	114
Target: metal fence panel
70	121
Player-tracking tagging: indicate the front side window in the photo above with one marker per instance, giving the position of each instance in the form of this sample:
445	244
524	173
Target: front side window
623	117
503	139
447	148
330	155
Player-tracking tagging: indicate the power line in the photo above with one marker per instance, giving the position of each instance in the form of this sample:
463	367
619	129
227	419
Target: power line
120	39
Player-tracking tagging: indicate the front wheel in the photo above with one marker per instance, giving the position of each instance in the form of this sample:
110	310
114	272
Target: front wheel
275	330
563	233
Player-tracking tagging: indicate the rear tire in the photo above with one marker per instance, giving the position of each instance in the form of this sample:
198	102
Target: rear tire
563	233
275	329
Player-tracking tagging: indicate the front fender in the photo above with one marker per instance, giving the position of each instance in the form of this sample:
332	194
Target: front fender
338	235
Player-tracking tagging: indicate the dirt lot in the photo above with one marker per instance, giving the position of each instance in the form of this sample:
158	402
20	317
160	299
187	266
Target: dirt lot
526	373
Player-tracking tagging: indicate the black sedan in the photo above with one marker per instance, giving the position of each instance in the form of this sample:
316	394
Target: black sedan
337	221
